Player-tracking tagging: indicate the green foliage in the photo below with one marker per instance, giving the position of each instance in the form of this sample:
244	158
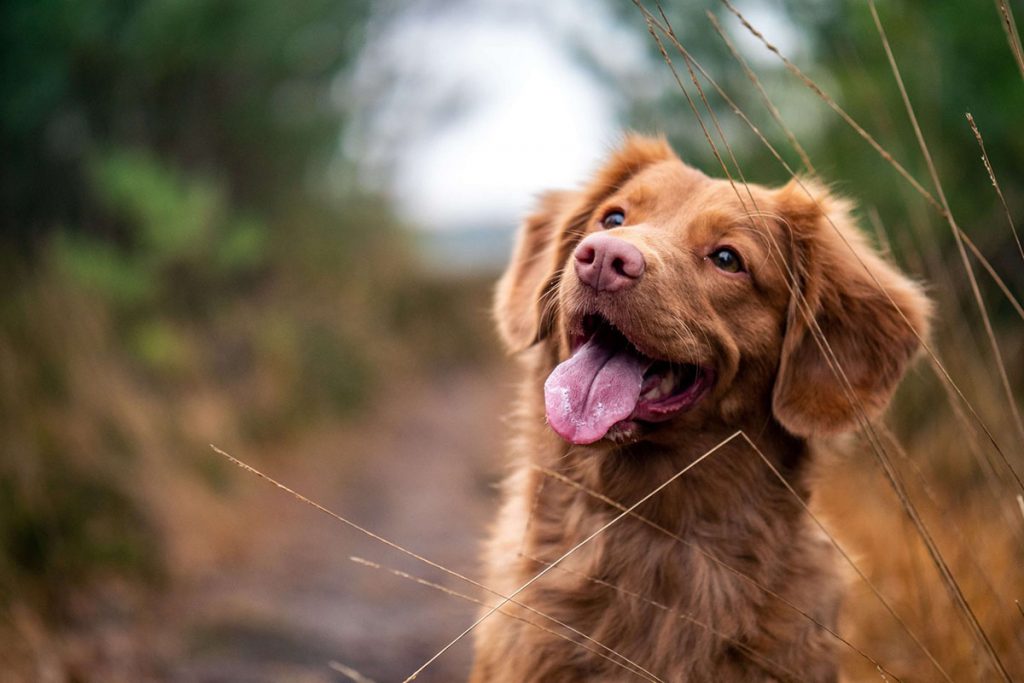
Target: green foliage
183	237
69	515
68	528
337	368
236	89
159	196
952	62
101	268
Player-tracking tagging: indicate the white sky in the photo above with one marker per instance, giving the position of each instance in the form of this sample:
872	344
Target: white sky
541	123
476	109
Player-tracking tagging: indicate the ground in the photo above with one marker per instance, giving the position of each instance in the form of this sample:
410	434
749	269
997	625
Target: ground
419	470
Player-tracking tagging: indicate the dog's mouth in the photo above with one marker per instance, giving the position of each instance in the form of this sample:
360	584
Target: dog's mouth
607	386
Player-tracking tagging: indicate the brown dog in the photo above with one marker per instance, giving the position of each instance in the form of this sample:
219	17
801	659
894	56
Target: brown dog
655	316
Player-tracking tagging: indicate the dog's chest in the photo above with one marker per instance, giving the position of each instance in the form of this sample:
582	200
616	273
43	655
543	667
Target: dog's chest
697	603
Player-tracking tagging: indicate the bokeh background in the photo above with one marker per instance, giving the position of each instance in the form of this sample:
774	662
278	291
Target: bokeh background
274	227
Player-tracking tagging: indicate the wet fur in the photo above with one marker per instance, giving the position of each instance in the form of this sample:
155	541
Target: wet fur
739	526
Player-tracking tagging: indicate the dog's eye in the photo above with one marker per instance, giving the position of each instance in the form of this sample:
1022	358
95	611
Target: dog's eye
613	219
726	259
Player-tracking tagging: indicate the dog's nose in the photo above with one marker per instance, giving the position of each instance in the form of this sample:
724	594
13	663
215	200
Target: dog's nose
608	263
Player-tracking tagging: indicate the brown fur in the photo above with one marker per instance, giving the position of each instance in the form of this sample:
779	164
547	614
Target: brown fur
740	529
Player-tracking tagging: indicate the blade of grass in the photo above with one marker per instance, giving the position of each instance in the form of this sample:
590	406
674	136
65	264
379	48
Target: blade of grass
1012	36
468	598
404	551
697	548
924	193
349	673
567	553
746	649
772	109
995	183
891	473
797	296
997	353
936	363
867	137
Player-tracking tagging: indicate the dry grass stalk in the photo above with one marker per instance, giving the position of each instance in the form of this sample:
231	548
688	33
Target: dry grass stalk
884	153
788	674
819	337
772	109
880	232
420	558
679	539
468	598
924	193
937	363
995	183
952	223
349	672
890	471
962	239
569	552
1012	36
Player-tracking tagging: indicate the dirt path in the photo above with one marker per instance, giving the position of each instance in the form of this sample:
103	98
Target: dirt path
419	471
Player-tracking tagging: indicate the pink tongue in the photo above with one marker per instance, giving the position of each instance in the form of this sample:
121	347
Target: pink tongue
597	387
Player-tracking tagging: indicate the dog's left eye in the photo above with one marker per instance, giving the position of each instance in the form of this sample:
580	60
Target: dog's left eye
613	219
726	259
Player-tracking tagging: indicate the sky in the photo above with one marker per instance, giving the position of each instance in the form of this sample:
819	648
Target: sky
475	108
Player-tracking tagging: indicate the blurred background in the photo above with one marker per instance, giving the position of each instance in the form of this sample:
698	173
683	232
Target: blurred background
274	227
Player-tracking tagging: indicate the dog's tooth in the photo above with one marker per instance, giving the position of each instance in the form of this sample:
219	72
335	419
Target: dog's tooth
667	383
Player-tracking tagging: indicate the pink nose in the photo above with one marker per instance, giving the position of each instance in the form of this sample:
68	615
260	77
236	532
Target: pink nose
608	263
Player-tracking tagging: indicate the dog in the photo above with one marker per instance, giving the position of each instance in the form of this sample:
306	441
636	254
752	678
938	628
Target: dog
657	312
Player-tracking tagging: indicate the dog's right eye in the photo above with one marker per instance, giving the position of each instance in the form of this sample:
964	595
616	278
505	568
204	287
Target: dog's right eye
726	258
613	219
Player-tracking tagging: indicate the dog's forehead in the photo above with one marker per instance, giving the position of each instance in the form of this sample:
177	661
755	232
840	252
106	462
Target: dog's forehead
663	186
673	189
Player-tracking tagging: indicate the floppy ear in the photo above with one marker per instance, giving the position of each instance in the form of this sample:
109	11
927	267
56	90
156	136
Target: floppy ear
535	260
548	236
872	334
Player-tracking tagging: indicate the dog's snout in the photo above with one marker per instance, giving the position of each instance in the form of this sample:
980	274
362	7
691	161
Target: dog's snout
608	263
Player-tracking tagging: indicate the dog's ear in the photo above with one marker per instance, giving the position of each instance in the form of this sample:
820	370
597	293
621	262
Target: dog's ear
871	316
518	299
548	236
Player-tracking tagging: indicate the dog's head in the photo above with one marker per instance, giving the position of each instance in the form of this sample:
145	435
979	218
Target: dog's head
666	297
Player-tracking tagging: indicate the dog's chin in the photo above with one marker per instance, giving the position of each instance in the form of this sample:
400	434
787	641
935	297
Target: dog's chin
610	390
626	432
